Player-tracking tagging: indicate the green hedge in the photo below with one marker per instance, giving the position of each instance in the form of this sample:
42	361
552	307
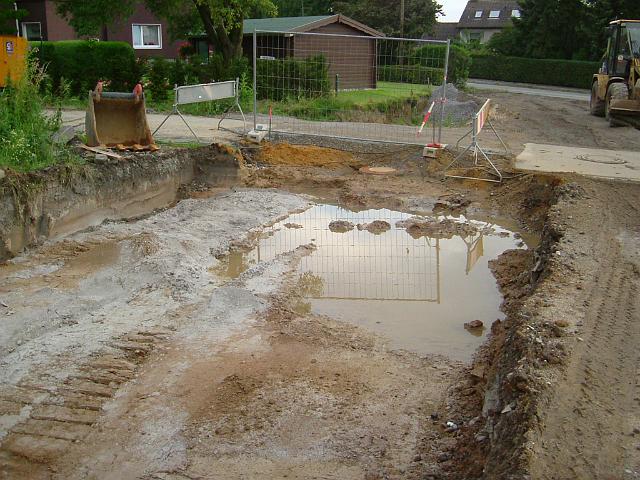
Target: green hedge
410	74
432	55
290	78
563	73
77	65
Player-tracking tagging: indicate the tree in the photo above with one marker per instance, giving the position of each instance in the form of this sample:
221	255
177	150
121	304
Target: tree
88	18
551	28
221	20
8	17
600	13
570	29
506	42
296	8
384	15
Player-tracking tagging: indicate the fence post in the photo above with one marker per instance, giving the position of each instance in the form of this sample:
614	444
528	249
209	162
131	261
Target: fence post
255	79
444	91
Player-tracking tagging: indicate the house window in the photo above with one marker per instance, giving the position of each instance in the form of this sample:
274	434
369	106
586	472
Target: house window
475	36
147	36
478	14
32	30
515	13
494	14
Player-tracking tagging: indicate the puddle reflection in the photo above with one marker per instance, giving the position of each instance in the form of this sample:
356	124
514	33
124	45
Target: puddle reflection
416	290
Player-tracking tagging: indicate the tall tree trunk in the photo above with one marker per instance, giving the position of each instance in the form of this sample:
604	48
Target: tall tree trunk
228	44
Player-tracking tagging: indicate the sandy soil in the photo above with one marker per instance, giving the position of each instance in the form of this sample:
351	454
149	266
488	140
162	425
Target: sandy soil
125	355
521	119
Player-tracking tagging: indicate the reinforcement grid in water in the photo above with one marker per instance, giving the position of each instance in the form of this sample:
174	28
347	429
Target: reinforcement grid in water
311	81
356	264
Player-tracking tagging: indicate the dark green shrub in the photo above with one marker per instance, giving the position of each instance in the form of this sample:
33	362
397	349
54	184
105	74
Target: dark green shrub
410	74
291	78
159	77
563	73
82	63
433	55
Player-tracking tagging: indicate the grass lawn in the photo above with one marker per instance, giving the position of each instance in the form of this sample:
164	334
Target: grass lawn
386	91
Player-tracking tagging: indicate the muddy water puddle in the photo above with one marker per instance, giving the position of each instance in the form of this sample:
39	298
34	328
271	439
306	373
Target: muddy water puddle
68	265
415	281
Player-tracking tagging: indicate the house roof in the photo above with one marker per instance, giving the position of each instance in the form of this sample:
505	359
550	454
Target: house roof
443	31
304	24
505	7
281	24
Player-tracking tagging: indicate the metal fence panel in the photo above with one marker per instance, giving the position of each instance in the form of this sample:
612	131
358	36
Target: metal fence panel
206	92
348	86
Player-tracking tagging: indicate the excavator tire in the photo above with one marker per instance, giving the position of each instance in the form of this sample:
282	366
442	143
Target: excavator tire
616	91
596	105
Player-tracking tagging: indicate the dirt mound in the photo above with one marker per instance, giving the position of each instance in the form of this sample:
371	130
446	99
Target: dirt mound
305	155
459	107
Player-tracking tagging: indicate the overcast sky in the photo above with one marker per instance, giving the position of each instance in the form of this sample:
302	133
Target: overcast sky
452	10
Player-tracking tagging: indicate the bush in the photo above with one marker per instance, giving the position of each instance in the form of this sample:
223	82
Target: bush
158	79
25	131
410	74
563	73
291	78
82	63
432	55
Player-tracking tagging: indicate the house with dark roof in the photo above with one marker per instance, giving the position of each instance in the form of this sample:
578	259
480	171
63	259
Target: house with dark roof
480	20
347	45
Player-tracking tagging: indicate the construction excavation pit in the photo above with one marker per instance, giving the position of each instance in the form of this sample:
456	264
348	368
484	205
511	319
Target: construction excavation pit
276	312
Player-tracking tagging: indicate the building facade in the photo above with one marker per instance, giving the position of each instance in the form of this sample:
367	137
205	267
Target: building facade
146	33
480	20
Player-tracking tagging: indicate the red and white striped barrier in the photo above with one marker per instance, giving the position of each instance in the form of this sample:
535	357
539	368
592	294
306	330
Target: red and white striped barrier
426	118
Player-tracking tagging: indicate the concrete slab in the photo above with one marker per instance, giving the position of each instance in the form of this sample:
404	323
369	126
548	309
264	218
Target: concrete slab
590	162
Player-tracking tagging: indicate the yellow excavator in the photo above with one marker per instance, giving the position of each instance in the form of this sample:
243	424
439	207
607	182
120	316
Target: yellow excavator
615	91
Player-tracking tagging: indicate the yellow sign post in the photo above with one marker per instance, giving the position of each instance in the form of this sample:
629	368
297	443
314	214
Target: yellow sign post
13	59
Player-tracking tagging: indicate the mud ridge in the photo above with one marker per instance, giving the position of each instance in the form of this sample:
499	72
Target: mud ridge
497	394
59	201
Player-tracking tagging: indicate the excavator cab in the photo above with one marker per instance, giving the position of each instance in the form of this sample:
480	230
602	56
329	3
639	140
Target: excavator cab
615	90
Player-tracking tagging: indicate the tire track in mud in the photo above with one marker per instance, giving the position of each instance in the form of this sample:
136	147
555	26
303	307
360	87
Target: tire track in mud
588	427
48	418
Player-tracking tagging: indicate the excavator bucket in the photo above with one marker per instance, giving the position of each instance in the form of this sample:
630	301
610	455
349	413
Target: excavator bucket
626	112
118	120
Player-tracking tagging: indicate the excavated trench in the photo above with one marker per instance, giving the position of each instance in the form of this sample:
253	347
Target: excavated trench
351	311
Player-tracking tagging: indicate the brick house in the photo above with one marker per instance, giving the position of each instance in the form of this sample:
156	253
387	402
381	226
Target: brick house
146	33
480	20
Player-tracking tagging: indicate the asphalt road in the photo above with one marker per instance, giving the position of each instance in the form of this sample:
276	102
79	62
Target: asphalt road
530	89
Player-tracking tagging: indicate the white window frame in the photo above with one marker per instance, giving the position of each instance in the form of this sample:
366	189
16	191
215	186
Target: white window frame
478	14
143	46
515	13
494	14
24	29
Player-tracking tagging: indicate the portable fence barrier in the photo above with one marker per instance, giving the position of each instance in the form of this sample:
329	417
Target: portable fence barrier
346	86
206	92
481	158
